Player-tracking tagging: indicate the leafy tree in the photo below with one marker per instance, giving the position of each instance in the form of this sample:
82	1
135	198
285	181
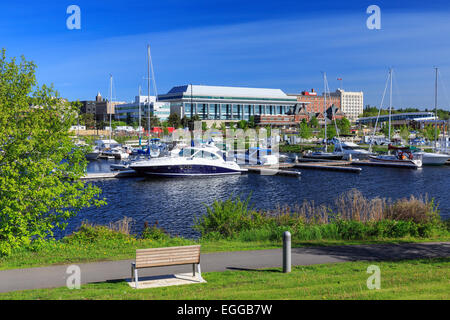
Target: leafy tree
184	121
204	126
40	165
343	126
305	130
251	122
429	132
242	124
174	120
88	120
313	123
404	133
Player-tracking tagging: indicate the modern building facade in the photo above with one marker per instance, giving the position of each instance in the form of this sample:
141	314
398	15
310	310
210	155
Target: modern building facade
352	103
130	110
227	104
403	118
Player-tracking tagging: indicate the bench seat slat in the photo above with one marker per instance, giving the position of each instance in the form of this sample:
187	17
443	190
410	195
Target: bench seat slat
165	262
177	249
168	256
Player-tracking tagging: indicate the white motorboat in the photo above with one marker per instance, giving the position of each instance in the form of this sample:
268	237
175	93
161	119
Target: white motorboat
350	150
93	154
432	159
257	156
116	153
402	157
205	160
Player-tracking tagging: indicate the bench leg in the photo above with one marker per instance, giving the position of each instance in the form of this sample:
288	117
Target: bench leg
136	278
199	272
193	270
133	265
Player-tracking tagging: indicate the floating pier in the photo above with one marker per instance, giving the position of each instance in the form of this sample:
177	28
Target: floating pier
110	175
386	165
330	166
263	170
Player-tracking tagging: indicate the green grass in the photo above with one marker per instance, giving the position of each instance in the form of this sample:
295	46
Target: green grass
409	279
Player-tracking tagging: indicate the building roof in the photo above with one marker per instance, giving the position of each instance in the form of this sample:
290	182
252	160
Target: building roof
223	91
408	115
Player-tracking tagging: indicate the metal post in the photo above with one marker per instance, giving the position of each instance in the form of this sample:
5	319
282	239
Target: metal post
286	252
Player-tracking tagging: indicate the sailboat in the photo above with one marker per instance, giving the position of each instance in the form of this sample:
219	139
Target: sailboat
433	158
113	150
402	156
324	154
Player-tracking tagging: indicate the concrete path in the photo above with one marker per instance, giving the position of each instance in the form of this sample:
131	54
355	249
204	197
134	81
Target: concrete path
55	276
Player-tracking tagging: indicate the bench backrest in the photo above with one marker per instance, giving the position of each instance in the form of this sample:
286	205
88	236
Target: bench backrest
167	256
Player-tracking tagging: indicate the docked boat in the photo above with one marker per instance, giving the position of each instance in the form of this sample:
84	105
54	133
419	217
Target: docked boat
205	160
323	155
257	156
94	154
402	157
350	150
432	159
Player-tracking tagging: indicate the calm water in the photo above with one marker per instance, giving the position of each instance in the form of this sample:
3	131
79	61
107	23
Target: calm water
174	202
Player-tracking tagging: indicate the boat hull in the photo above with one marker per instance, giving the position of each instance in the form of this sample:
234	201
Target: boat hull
430	159
324	156
396	162
186	170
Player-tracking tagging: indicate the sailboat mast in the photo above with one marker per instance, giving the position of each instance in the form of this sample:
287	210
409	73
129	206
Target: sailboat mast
139	128
435	110
325	110
148	90
110	107
390	104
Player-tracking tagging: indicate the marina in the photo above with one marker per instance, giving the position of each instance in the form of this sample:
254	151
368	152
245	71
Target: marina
173	203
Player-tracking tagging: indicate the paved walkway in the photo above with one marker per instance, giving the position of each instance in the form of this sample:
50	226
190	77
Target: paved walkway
55	276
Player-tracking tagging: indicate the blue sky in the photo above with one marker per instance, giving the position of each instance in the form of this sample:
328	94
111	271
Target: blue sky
268	44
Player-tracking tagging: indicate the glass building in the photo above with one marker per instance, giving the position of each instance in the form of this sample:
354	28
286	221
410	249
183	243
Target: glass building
227	103
411	116
131	110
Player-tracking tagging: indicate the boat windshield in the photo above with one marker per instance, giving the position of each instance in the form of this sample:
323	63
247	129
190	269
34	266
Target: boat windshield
186	152
206	155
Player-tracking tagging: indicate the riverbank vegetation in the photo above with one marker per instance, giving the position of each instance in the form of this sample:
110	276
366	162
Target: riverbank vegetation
233	225
353	217
408	279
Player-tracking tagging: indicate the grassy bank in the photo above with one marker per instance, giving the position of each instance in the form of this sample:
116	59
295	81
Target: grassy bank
233	225
410	279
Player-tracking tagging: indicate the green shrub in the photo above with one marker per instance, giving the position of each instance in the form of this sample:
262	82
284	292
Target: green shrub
88	233
227	217
154	232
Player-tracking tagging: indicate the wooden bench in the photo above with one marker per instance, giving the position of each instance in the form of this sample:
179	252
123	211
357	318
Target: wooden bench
170	256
